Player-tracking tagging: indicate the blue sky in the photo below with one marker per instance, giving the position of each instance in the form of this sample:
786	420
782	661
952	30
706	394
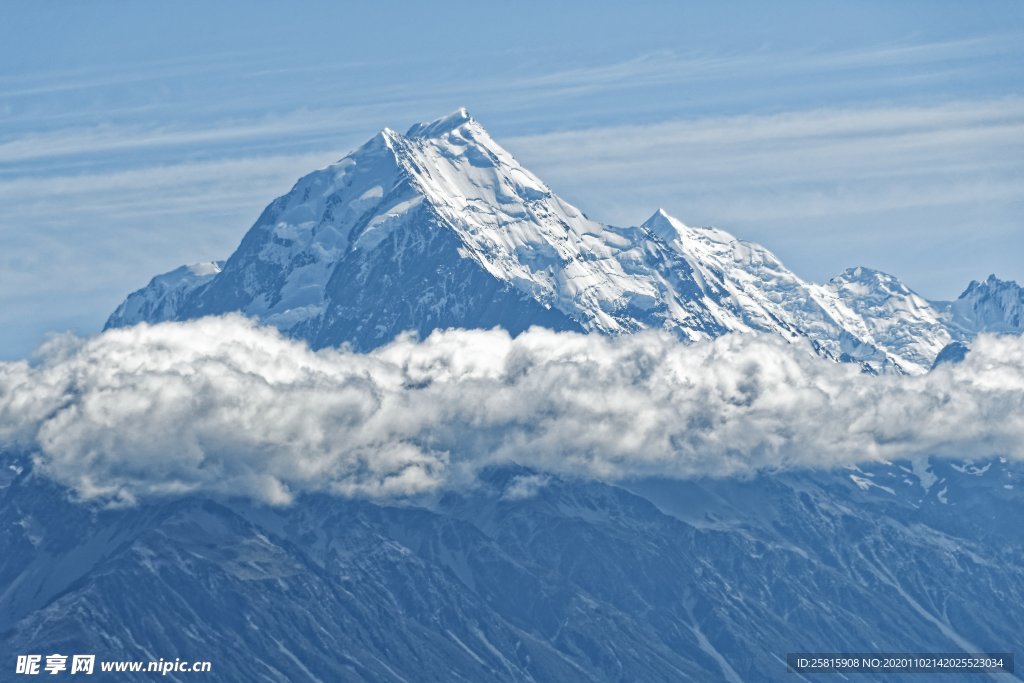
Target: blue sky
135	137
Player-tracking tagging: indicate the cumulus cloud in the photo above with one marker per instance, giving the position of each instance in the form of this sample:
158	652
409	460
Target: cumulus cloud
223	405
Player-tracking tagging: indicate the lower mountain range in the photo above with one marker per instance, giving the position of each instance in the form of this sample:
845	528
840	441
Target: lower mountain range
528	577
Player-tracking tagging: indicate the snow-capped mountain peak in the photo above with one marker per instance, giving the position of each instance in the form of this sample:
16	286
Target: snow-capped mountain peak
160	299
894	316
443	227
869	280
442	126
993	305
663	225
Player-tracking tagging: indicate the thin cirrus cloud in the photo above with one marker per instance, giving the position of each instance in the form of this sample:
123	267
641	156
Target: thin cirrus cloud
844	145
644	71
221	405
113	139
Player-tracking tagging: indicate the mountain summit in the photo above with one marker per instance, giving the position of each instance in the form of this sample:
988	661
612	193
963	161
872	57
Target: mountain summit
442	227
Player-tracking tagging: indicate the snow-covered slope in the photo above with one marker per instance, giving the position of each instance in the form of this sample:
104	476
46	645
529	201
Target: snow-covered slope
161	298
743	287
442	227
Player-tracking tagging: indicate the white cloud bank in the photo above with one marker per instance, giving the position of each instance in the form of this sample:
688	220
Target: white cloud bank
222	405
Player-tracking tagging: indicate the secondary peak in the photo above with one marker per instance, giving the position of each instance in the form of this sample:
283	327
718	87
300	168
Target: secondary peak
664	225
